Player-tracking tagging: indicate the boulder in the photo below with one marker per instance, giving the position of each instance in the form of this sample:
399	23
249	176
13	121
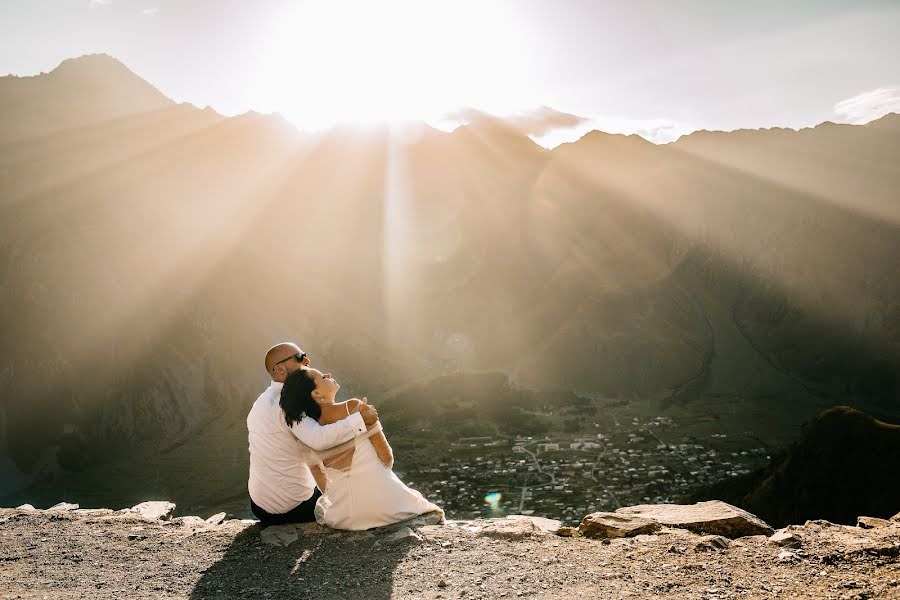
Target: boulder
63	506
612	525
871	522
25	507
896	517
155	510
279	535
713	517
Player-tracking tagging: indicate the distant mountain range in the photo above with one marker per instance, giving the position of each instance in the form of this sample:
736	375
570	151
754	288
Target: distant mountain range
151	251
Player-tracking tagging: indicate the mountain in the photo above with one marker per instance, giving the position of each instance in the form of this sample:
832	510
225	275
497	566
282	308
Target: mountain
844	465
80	91
150	252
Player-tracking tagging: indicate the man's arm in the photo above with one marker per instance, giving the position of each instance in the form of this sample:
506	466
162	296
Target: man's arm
322	437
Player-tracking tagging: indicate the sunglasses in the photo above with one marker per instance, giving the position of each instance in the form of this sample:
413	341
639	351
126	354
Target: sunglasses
299	358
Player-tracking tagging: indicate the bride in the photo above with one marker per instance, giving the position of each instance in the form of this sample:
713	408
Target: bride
359	488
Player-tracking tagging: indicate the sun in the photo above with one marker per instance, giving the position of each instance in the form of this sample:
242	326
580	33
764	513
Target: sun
362	62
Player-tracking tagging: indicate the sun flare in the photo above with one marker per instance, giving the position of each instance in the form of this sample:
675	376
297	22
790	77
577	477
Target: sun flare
365	62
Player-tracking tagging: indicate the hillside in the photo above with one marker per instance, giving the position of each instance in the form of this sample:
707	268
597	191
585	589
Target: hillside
150	252
828	473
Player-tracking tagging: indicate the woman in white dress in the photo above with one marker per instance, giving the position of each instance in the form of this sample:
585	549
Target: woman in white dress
359	488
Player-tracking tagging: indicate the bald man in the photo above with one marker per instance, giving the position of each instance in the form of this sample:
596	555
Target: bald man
281	486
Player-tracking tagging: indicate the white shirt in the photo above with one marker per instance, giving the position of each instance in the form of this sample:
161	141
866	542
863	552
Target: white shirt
279	477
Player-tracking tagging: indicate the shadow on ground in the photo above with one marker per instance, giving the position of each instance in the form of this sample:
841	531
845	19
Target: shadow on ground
322	564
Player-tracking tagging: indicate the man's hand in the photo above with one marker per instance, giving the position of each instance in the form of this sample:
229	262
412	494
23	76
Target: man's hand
368	412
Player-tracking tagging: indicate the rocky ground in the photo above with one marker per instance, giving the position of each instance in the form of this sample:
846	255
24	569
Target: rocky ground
69	553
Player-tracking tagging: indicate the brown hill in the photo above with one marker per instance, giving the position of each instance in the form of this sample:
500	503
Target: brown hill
844	465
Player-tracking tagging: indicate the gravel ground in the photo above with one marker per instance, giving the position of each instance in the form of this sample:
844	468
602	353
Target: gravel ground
106	554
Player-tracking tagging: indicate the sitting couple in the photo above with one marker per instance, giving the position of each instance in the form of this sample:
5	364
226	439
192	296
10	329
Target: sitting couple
314	459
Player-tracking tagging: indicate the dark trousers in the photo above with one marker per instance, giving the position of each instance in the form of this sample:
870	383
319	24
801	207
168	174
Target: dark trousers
302	513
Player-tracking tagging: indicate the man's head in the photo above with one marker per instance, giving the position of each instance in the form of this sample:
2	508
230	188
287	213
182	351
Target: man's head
283	359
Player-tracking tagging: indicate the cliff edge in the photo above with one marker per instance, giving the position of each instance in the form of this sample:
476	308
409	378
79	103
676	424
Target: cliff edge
706	550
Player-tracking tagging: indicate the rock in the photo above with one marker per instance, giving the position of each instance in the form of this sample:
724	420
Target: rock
155	510
896	517
278	535
509	529
63	506
713	517
546	525
404	534
423	520
785	538
216	519
711	543
567	532
871	522
441	583
787	556
613	525
25	507
189	521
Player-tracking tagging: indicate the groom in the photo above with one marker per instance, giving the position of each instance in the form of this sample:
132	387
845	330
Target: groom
281	486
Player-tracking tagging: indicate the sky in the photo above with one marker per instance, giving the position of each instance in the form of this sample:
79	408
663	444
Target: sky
658	68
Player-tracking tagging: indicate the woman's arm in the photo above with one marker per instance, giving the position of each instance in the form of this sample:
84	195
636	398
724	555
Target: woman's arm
383	449
319	476
380	443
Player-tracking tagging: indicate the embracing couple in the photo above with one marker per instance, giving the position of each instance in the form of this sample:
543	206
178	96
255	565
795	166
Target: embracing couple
314	459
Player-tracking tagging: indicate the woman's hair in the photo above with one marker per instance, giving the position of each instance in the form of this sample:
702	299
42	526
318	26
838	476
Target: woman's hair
296	398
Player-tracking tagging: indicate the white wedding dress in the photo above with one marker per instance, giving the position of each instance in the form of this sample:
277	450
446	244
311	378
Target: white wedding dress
367	494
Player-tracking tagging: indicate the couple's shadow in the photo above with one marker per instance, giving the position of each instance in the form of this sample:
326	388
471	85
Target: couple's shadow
321	563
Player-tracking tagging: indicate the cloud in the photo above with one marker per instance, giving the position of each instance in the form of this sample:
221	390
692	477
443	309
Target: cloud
535	122
870	105
543	120
150	12
99	3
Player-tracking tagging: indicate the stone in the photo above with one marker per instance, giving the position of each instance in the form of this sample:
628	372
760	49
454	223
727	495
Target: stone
93	512
871	522
567	532
896	517
63	506
601	525
399	536
546	525
189	521
713	517
509	529
786	556
430	518
785	538
216	519
155	510
278	535
25	507
711	543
